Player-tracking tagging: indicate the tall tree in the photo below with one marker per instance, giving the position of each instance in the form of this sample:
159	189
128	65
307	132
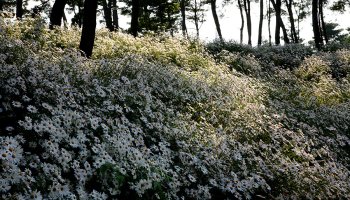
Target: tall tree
115	15
294	36
279	23
246	5
19	9
89	27
322	22
135	14
261	19
216	18
57	13
240	6
302	9
316	24
1	5
196	13
107	11
269	21
183	4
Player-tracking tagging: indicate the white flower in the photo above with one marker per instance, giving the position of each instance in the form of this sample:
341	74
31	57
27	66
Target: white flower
94	122
32	109
4	185
94	195
191	178
16	104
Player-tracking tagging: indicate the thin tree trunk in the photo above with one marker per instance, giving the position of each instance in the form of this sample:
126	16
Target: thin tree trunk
242	20
115	15
89	27
246	4
135	13
57	13
294	35
277	7
1	5
216	18
183	17
261	22
324	30
19	9
107	11
269	22
196	18
65	22
315	24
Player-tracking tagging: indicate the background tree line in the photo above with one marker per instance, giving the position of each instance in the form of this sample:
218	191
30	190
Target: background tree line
173	15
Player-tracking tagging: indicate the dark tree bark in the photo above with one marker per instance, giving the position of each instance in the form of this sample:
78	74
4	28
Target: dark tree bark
261	22
323	24
1	5
269	21
135	14
246	4
216	18
279	23
277	7
107	11
19	9
183	17
289	4
242	20
115	15
89	27
57	13
316	25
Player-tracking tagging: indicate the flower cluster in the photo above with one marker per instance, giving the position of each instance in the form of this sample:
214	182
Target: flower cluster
148	124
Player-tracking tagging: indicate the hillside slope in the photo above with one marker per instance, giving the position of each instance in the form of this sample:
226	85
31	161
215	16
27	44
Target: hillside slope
161	118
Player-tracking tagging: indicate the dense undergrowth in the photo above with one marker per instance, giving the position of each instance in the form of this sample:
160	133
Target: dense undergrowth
163	118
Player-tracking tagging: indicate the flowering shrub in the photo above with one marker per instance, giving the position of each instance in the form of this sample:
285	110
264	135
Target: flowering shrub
155	124
288	56
246	64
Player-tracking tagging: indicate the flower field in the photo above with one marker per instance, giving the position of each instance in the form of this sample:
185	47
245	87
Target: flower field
164	118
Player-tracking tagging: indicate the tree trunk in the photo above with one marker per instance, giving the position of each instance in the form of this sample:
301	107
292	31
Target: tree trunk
242	20
196	18
1	5
216	18
315	24
107	11
261	22
324	30
89	27
285	33
65	22
279	23
183	17
294	35
269	22
135	14
277	7
57	13
19	9
115	15
246	4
